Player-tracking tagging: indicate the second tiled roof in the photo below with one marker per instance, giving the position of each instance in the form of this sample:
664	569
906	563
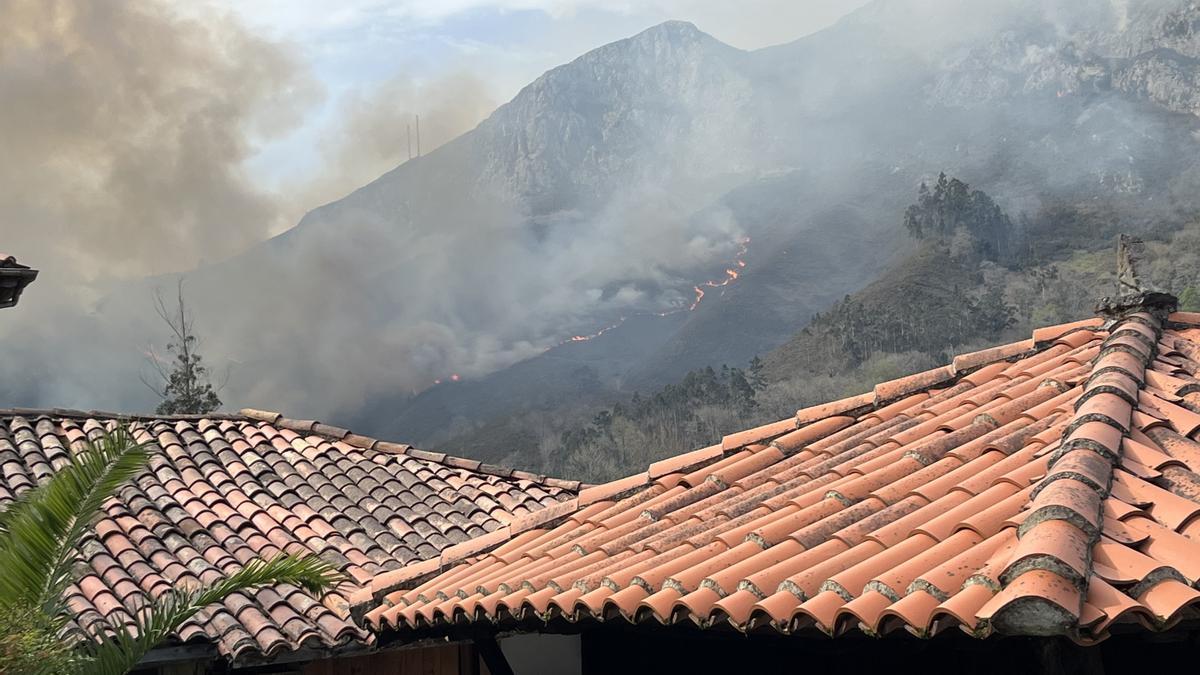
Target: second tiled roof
1043	487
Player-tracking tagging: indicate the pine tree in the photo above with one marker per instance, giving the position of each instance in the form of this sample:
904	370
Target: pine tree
952	205
741	394
185	386
755	376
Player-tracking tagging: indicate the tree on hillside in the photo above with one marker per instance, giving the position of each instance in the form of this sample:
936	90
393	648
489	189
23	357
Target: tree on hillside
183	379
755	374
676	418
952	206
40	536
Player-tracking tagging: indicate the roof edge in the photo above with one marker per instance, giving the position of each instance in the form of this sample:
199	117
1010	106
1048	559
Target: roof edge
313	427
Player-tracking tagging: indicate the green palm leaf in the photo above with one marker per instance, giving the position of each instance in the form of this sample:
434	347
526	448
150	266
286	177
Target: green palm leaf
41	530
121	649
40	534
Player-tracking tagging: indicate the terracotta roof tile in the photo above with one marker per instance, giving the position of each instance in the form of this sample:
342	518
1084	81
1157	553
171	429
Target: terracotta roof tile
223	489
1044	487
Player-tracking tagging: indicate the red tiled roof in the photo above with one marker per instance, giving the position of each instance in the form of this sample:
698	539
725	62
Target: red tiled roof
1044	487
221	490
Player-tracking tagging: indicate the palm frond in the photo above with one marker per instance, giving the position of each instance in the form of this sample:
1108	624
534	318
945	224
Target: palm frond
41	530
120	650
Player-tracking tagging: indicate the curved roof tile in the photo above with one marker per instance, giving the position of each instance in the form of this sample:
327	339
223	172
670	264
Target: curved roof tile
223	489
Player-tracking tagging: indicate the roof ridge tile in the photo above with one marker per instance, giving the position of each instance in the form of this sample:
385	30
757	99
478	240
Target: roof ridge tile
984	357
1064	510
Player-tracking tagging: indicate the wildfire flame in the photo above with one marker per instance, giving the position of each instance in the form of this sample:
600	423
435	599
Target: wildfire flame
731	275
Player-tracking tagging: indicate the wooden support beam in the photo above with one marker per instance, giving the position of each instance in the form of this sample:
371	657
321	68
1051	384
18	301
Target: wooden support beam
493	657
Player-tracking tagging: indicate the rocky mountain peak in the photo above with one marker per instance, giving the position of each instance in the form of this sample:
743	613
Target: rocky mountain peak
599	122
675	31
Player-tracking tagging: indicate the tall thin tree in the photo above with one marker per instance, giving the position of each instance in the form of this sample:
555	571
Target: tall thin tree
184	382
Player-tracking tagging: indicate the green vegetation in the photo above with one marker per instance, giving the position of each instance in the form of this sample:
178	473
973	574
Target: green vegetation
40	534
30	643
679	416
953	209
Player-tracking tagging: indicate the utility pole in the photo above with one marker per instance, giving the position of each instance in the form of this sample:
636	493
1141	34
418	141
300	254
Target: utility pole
408	134
418	135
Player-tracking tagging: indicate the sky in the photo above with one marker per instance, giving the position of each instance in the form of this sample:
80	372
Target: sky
480	50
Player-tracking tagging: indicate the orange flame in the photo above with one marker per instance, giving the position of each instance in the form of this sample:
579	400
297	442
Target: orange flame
731	275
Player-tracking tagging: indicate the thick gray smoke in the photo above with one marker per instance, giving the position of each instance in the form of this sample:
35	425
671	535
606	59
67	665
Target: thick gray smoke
125	129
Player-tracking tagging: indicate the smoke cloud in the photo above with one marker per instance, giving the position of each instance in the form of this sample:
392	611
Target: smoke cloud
377	126
125	131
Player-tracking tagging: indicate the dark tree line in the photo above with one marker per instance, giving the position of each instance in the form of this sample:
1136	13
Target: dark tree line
928	324
952	206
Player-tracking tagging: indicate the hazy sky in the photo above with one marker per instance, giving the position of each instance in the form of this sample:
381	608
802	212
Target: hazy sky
365	51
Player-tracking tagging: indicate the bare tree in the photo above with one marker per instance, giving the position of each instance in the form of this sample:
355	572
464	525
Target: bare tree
182	378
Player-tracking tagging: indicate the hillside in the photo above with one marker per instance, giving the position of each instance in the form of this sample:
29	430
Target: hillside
1053	134
942	299
911	307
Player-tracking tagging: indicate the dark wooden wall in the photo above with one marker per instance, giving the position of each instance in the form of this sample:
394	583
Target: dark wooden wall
437	660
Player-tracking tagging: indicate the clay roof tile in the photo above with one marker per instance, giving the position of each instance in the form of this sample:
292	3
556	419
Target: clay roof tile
985	494
224	488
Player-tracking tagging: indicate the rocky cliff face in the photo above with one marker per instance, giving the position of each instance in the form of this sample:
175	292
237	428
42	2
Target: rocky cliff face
609	185
1147	52
619	116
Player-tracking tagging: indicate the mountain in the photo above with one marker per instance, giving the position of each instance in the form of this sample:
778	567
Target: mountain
610	187
824	139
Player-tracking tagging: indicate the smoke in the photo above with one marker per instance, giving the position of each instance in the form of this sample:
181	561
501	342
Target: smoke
393	308
127	127
377	127
125	131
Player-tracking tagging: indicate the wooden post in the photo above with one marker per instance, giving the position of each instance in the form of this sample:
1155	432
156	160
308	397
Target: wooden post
1129	251
1133	293
493	657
